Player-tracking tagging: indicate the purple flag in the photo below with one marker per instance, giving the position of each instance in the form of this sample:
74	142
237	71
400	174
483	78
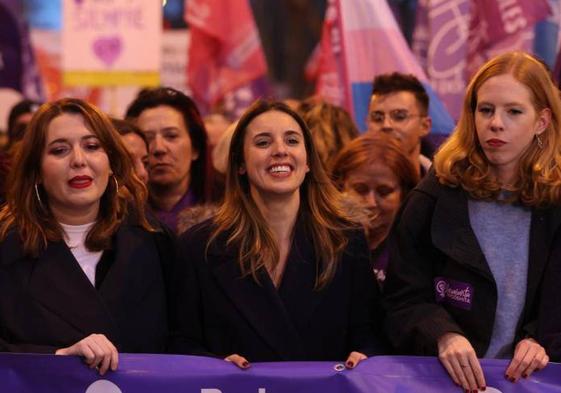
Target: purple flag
453	38
440	42
17	64
188	374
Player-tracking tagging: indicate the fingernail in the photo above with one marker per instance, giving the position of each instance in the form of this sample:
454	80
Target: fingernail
511	379
245	364
524	375
350	364
484	388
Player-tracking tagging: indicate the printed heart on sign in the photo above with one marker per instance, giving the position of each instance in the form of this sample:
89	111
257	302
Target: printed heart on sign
107	49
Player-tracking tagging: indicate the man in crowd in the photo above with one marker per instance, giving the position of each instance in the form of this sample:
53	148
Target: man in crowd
399	106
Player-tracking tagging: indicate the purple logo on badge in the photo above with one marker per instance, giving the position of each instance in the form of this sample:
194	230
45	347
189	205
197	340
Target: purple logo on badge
454	293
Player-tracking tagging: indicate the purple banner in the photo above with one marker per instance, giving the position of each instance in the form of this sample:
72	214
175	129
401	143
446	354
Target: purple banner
188	374
440	43
18	70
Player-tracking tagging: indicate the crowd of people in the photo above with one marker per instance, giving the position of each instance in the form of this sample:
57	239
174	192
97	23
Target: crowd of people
286	235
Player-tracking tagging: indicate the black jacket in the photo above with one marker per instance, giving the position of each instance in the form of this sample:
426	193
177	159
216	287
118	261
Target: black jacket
220	313
549	321
438	280
48	303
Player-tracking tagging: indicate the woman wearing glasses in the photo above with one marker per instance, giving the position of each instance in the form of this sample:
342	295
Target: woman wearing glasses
81	268
469	246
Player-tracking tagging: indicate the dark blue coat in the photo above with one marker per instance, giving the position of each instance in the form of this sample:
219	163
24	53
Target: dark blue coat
219	312
433	248
48	303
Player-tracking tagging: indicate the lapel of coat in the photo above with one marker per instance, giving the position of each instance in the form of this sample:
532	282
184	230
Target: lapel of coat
452	233
127	250
297	287
259	303
543	227
59	284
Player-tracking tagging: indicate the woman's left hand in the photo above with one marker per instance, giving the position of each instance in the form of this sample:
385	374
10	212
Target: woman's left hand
529	356
354	359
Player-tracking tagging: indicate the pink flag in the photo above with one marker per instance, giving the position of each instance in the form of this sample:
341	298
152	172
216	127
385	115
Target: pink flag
225	51
326	65
497	27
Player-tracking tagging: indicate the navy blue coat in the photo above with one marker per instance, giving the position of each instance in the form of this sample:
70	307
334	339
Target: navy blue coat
48	303
433	247
549	320
219	312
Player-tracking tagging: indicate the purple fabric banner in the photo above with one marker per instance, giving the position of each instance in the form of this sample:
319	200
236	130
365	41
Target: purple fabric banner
187	374
18	70
453	38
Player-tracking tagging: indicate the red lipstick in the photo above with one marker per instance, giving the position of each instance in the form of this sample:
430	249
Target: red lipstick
80	182
494	142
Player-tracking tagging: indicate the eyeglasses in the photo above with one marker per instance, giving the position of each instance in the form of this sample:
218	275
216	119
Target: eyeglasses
397	116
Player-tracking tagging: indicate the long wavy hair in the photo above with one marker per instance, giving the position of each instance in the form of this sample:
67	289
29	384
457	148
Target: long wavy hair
462	162
321	208
33	219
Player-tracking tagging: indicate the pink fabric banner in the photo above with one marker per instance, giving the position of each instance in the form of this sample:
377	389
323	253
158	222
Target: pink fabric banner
326	66
503	18
225	51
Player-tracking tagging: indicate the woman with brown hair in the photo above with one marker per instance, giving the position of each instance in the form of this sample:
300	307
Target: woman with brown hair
81	268
376	175
469	247
280	273
178	172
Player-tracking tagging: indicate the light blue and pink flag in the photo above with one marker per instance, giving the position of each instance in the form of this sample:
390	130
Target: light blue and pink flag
360	40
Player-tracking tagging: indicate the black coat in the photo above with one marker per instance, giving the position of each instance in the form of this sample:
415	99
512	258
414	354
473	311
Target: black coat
48	303
220	313
432	243
549	321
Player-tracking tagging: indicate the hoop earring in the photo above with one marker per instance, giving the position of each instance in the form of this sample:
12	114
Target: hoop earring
39	197
539	141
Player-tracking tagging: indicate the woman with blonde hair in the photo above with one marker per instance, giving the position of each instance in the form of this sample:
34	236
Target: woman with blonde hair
280	273
469	247
81	268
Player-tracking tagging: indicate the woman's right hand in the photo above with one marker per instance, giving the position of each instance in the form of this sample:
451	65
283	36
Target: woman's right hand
459	359
96	350
238	360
